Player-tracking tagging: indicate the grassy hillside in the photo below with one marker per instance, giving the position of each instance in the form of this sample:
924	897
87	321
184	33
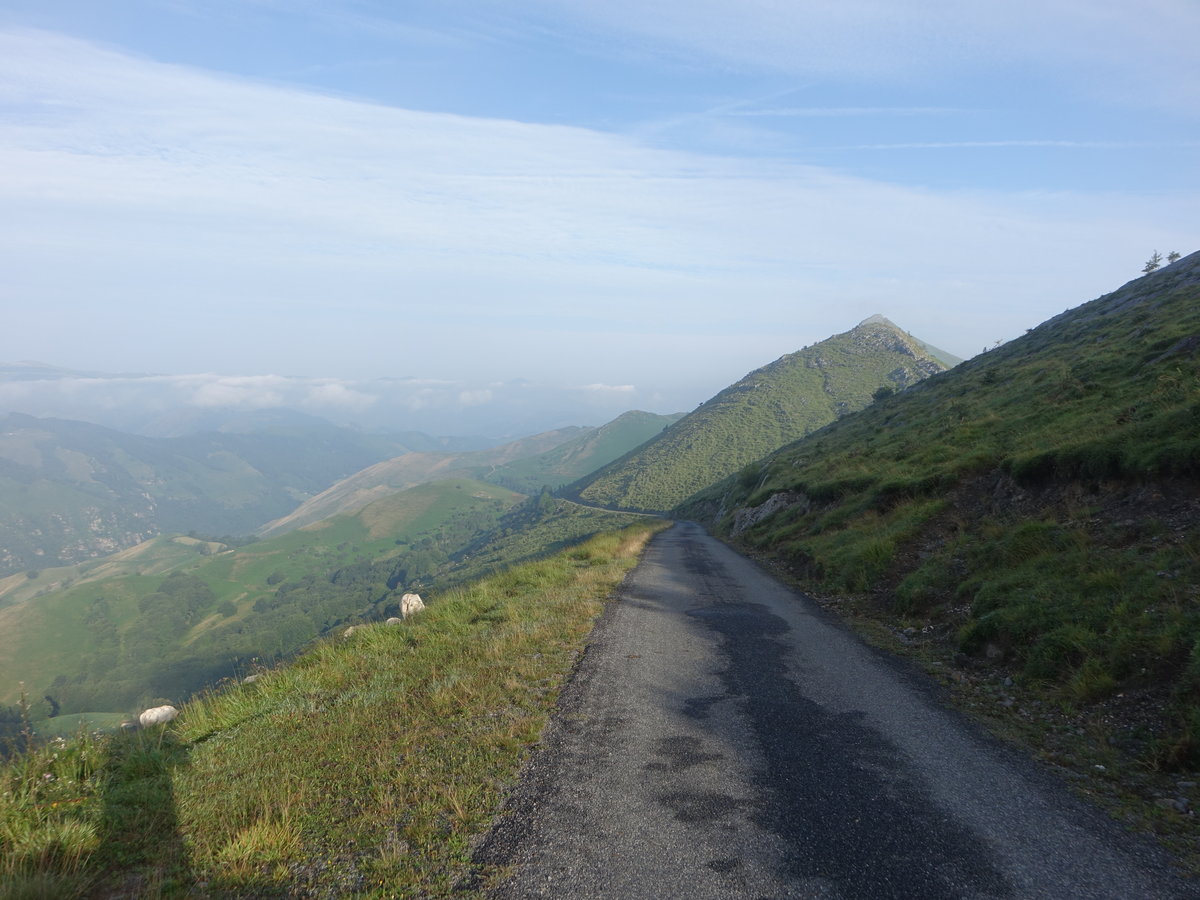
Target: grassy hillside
366	766
582	455
71	491
357	490
1035	511
770	407
174	614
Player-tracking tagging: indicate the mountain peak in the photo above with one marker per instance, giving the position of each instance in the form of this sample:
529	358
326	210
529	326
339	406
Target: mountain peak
877	319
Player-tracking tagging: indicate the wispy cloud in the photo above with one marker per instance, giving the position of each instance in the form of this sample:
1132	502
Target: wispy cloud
143	402
843	111
204	222
1017	143
609	388
1144	52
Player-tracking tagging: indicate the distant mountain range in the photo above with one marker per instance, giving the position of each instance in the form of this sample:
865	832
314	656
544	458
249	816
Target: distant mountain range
71	491
770	407
175	613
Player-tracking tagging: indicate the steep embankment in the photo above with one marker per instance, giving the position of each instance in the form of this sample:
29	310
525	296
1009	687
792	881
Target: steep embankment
770	407
1036	510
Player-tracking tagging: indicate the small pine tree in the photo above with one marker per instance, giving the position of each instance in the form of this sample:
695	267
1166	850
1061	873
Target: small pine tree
1172	256
1152	263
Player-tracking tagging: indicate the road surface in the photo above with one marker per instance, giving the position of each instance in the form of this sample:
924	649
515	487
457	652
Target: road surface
724	737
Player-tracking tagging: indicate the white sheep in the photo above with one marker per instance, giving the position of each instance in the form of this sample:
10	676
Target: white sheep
157	715
411	603
394	621
349	631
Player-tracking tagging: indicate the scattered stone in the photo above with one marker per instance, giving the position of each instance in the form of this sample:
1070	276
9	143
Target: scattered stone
394	621
250	679
744	517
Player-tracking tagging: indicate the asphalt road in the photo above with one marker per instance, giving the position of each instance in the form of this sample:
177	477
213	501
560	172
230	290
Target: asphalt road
724	738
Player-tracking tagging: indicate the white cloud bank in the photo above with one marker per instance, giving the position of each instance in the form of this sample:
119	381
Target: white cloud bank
161	218
167	405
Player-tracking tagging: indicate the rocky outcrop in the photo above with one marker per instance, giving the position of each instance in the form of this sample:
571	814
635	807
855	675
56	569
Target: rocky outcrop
747	517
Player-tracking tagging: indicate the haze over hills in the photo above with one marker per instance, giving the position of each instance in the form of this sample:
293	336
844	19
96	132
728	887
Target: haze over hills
174	614
1029	521
725	457
66	625
483	411
71	491
771	406
581	455
405	471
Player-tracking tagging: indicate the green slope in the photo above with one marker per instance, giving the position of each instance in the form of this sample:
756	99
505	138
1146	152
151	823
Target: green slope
401	472
367	767
582	455
770	407
1036	509
171	615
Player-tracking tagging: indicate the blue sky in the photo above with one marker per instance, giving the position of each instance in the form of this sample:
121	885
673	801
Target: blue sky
616	204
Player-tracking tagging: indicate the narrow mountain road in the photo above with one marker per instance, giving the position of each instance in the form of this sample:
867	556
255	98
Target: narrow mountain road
724	738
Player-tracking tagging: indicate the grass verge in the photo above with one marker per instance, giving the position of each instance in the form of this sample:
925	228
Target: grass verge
364	768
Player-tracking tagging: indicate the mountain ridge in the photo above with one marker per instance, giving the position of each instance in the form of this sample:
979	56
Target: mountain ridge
1030	519
767	408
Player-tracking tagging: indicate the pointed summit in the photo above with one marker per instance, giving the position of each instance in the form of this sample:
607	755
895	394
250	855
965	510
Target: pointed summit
770	407
877	319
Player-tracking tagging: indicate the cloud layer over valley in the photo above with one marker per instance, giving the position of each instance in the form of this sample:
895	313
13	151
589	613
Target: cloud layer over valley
717	187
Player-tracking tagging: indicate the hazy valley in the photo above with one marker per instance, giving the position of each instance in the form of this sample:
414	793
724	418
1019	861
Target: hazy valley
1026	524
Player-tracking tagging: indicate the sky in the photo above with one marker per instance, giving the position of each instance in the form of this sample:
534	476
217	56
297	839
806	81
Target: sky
574	207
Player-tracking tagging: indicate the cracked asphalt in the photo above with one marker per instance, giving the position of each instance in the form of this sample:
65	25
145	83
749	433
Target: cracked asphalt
724	737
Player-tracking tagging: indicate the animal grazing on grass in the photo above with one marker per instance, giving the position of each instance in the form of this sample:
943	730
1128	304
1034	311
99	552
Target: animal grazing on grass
157	715
411	603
